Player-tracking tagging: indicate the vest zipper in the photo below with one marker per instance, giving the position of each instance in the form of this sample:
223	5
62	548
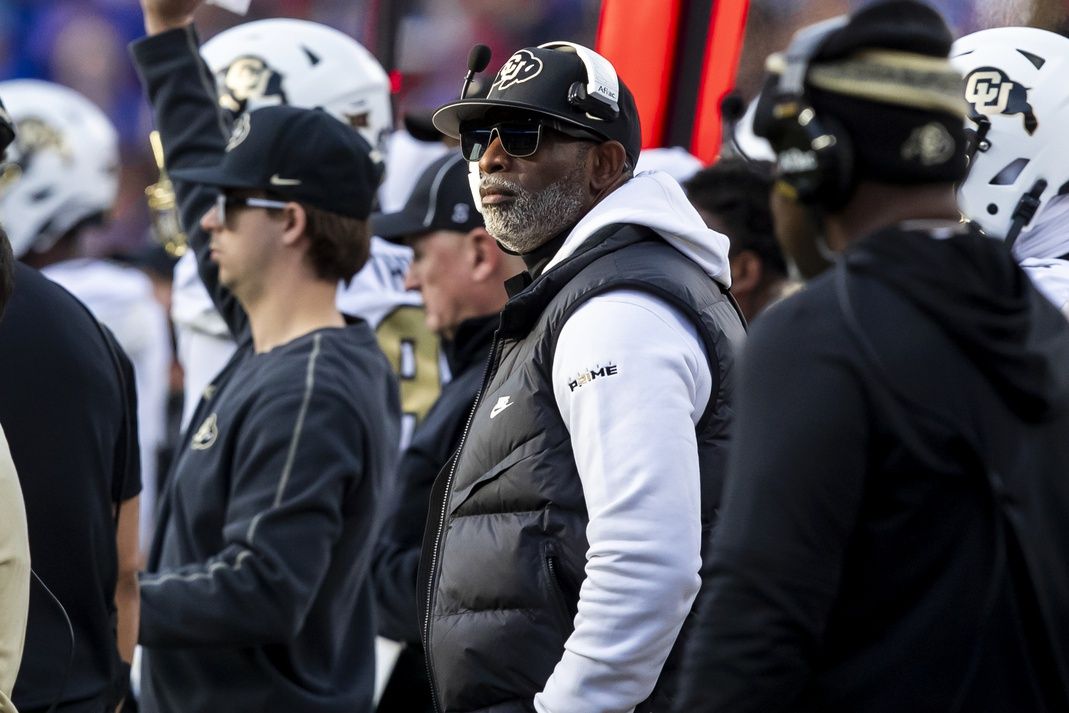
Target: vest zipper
438	537
557	590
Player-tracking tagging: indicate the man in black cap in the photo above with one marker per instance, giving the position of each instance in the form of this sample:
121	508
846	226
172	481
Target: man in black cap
460	271
563	546
892	535
258	592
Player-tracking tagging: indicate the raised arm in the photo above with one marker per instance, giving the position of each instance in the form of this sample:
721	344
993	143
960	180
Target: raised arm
193	129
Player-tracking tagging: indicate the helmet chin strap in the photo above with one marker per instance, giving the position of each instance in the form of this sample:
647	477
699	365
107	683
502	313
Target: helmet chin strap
1025	211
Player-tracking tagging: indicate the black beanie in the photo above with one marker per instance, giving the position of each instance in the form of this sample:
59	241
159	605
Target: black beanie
903	25
893	143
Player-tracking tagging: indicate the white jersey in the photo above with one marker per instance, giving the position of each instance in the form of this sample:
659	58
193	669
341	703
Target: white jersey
123	300
1051	277
408	157
376	294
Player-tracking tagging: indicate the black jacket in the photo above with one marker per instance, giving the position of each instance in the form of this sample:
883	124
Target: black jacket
397	554
258	592
893	531
435	439
68	407
505	549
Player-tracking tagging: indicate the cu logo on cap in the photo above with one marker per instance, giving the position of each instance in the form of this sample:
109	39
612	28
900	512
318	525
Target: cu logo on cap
990	91
519	68
240	132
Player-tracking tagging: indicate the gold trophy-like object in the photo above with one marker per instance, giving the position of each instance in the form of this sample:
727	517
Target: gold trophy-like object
162	206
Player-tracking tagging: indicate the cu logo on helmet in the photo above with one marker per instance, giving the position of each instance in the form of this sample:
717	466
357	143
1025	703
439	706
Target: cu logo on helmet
34	136
249	79
990	91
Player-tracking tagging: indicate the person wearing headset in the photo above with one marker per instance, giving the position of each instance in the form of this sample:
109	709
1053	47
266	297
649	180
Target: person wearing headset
892	535
564	541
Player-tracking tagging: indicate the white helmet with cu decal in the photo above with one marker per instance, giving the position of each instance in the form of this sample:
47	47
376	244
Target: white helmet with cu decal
303	64
63	168
1018	105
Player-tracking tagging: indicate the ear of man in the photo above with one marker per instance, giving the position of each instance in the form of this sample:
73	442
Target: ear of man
295	223
483	253
607	161
747	272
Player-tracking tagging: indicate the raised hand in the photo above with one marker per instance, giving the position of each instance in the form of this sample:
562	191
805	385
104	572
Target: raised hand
163	15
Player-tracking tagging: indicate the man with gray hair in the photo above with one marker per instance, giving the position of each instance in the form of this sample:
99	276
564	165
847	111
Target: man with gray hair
564	540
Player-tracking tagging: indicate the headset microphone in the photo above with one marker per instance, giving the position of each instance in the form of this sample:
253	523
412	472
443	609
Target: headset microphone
478	59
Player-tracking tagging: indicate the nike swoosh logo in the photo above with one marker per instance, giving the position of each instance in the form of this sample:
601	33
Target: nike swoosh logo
277	180
502	403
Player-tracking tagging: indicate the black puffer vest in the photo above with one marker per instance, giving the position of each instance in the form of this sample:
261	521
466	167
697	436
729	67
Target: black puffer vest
504	552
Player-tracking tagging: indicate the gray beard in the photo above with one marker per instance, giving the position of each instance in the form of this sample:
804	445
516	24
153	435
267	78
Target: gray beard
529	220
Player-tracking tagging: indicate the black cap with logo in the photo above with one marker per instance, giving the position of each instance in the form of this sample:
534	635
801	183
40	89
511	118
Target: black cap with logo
555	81
303	155
441	200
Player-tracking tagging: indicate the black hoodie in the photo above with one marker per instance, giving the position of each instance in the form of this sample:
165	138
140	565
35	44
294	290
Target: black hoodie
861	562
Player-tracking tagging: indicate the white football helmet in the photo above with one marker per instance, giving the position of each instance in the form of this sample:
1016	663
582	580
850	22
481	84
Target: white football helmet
304	64
63	167
1018	102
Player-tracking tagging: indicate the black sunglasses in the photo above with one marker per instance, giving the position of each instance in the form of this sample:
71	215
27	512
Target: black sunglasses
222	201
519	138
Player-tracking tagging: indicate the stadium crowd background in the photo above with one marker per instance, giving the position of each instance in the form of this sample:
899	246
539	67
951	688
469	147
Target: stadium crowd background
82	44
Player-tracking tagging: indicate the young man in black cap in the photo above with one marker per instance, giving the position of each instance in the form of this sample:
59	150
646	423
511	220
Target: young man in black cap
892	533
563	548
461	272
258	591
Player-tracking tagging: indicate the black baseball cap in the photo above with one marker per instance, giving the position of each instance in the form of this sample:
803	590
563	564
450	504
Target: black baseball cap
441	200
303	155
552	82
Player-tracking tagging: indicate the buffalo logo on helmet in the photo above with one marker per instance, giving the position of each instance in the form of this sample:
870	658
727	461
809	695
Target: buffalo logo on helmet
34	136
990	91
249	79
520	67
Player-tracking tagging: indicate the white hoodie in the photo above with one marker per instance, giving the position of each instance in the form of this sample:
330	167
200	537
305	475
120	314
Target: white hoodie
633	437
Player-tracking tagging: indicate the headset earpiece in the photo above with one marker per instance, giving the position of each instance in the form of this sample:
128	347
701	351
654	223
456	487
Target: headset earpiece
599	97
814	155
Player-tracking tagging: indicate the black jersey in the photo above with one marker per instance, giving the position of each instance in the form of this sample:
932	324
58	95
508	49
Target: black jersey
67	406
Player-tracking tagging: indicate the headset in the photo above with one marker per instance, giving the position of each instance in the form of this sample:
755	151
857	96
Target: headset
814	155
600	96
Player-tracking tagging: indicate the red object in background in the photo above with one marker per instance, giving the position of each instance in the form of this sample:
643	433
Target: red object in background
645	41
722	50
396	81
639	38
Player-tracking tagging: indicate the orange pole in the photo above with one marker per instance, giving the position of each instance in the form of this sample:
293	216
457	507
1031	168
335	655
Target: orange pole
722	51
639	38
